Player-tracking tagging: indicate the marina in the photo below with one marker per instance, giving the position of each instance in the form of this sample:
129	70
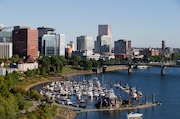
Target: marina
148	81
76	95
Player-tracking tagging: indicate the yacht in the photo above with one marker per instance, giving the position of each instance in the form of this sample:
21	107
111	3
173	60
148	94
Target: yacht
129	115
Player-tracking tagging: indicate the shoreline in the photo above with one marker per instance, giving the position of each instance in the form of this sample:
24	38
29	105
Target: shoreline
64	77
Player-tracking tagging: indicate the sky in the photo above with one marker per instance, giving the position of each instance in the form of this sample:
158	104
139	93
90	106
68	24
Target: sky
145	22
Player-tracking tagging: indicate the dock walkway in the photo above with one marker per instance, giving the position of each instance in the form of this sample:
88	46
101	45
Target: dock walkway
81	110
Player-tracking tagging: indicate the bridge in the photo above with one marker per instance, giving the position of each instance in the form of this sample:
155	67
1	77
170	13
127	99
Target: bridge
163	65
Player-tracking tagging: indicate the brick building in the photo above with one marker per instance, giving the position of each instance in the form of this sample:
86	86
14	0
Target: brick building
25	41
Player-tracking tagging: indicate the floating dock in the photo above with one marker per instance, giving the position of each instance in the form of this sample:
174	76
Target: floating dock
81	110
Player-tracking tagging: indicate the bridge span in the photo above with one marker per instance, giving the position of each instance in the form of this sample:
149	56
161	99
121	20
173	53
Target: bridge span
129	68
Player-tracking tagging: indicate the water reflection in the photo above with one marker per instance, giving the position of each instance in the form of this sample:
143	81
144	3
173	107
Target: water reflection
135	118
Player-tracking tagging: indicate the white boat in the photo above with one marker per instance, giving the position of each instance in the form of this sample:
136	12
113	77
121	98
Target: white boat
129	115
81	100
142	67
139	93
68	102
116	85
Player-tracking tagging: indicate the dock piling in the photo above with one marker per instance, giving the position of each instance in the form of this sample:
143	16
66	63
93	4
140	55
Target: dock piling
146	99
153	98
86	103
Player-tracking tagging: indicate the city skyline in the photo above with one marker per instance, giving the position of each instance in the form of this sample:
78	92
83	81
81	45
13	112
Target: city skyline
145	23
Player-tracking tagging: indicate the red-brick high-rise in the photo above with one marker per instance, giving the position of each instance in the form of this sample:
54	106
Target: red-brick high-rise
25	41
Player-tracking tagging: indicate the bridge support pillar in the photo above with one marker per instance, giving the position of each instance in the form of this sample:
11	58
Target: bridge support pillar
162	70
130	70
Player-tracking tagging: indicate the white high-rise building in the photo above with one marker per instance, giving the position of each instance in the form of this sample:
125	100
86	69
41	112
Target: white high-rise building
85	43
62	45
5	50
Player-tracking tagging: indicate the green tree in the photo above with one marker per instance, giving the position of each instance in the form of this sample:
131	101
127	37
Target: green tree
95	63
87	65
38	71
43	71
34	94
46	63
76	60
101	62
14	58
29	73
20	101
54	69
6	109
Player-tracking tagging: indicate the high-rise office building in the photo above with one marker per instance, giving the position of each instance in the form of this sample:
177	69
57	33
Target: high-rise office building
104	30
5	50
25	41
61	44
104	39
42	31
103	44
85	43
51	43
122	46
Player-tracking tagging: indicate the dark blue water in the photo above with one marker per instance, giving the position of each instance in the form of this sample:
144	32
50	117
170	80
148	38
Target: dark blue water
166	89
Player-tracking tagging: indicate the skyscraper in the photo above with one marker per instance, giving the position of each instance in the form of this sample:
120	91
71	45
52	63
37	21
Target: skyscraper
25	41
61	44
42	31
103	44
122	47
51	43
104	39
104	30
85	43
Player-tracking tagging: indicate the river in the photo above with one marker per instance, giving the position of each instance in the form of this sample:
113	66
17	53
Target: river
148	81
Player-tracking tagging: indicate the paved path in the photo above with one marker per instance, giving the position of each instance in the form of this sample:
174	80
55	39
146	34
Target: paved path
32	108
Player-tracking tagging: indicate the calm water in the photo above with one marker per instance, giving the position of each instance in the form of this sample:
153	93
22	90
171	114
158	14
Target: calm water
148	81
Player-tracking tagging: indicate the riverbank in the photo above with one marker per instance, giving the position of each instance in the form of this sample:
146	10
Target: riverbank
63	77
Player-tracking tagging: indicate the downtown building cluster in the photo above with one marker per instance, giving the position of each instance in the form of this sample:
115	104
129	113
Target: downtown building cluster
25	42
